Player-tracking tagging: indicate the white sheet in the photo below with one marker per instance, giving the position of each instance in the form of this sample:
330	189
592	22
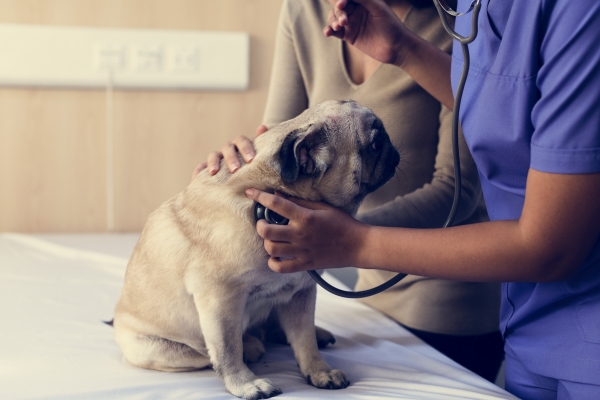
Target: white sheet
53	344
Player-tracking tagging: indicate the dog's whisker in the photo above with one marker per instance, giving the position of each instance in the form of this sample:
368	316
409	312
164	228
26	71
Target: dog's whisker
402	172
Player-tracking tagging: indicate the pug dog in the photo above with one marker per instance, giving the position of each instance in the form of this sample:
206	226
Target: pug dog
198	277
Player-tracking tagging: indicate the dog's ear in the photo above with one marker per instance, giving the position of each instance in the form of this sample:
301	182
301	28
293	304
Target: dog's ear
298	151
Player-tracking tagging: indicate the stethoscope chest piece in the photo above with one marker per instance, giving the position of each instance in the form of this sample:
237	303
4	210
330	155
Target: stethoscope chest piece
261	212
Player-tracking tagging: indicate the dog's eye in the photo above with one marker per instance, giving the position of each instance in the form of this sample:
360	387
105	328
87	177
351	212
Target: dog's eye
377	142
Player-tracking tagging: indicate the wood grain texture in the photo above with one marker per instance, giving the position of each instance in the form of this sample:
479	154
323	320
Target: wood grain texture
53	142
52	161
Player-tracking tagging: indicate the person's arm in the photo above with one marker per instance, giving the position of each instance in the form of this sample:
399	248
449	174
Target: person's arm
558	227
428	206
287	96
372	27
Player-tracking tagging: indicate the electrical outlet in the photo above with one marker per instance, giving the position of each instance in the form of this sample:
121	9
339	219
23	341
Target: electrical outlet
110	57
149	58
185	59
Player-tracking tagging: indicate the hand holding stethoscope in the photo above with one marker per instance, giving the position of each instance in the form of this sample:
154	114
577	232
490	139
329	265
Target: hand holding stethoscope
304	235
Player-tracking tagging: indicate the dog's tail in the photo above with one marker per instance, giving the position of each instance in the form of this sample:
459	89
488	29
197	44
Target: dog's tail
109	322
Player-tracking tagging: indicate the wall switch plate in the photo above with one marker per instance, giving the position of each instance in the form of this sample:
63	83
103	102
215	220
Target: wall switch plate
57	56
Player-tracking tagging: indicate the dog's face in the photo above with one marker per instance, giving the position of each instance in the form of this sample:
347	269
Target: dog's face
336	151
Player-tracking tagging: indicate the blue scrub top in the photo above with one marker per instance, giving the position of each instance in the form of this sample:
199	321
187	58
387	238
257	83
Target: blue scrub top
532	100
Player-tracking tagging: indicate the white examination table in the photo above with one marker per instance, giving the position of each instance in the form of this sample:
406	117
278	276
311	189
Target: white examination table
56	289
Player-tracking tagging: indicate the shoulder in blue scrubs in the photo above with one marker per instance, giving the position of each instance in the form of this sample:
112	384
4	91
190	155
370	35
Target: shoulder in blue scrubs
532	100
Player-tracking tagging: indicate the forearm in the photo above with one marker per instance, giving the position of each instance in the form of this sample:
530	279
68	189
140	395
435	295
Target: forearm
558	228
428	206
467	253
428	66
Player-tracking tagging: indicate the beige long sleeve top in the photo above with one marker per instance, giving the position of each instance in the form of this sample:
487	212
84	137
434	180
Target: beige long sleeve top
309	68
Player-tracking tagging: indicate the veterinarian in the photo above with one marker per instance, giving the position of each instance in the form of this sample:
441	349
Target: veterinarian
460	319
531	118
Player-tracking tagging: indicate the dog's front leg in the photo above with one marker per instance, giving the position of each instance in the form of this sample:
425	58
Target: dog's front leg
222	321
297	318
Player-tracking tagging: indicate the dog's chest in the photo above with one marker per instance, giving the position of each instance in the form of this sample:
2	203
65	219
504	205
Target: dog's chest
263	296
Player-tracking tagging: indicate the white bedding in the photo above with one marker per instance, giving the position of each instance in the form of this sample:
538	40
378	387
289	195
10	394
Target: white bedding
56	290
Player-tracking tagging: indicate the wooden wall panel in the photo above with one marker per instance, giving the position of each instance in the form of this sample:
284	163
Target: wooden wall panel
160	139
53	142
52	161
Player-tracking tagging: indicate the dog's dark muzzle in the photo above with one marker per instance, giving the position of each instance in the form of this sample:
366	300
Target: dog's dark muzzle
385	170
394	160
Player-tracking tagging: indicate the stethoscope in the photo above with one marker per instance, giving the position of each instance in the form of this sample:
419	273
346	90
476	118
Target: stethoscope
261	212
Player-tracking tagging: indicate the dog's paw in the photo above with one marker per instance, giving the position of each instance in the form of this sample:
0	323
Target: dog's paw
253	349
257	389
324	337
334	379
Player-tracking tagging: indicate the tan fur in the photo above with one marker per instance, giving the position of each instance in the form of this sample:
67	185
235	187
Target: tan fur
198	277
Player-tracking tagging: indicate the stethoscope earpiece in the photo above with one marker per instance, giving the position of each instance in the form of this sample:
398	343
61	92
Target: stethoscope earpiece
262	212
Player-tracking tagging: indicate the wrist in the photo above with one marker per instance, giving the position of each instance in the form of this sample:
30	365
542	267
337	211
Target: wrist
408	47
362	246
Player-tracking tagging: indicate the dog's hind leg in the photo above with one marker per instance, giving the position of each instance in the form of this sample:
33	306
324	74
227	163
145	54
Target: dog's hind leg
154	352
253	348
272	332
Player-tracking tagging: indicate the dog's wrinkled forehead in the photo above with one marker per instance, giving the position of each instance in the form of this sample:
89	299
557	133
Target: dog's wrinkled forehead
340	113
